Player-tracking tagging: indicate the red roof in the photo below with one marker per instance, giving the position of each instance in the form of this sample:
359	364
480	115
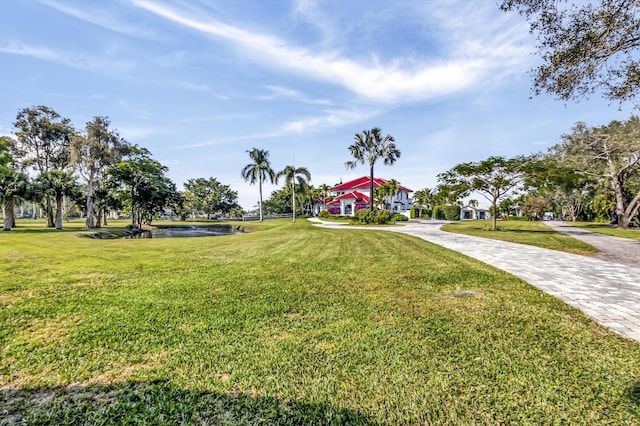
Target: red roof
363	183
358	196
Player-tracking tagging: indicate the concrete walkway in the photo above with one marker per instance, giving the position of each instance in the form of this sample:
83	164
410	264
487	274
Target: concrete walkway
606	291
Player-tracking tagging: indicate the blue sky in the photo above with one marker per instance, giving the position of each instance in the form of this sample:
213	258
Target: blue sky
199	83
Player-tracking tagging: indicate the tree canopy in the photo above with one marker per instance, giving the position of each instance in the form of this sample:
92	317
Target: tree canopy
585	47
259	170
608	153
368	147
292	174
493	178
209	196
142	183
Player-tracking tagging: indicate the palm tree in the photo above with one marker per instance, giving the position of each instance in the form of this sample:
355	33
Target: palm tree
393	189
258	171
13	184
57	183
324	190
423	198
291	174
368	147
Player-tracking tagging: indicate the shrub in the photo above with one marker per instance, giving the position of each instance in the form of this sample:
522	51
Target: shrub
438	213
400	217
520	218
368	217
451	212
323	214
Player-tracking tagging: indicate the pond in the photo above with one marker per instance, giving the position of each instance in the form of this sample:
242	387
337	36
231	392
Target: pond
187	231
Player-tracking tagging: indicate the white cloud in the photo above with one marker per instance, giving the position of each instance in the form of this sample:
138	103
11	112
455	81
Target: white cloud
85	62
194	86
402	80
330	119
285	92
101	18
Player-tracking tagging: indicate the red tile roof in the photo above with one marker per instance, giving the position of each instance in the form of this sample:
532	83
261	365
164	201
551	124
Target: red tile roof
363	183
358	196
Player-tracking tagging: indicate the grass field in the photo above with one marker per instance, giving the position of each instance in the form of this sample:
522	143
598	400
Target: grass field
292	324
603	228
534	233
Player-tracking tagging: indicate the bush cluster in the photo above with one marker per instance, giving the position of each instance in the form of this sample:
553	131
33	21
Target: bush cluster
446	212
400	217
377	217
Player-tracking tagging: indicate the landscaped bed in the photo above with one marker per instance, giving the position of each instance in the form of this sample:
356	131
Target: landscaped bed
293	325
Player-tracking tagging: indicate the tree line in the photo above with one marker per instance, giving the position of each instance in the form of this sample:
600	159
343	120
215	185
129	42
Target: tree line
593	174
49	160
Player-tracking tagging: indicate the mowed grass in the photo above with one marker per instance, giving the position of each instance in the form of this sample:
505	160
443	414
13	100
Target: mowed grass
293	324
603	228
533	233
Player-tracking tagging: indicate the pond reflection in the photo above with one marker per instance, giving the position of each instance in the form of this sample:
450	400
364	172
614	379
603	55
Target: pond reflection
187	231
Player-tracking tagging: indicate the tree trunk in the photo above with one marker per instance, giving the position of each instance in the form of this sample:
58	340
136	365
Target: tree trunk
260	189
104	217
49	212
58	211
294	199
90	216
620	208
495	210
370	188
98	219
8	214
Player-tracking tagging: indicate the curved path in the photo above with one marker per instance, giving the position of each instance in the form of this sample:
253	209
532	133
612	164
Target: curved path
606	291
612	249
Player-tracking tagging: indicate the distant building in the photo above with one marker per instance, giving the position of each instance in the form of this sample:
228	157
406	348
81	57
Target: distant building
473	213
354	195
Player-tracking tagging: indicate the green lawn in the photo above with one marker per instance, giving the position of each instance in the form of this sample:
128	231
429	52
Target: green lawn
632	234
534	233
293	325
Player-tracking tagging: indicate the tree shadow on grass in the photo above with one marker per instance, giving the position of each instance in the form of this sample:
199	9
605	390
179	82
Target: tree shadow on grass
160	402
634	393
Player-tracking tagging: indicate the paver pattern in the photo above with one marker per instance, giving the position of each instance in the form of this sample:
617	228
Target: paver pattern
612	249
608	292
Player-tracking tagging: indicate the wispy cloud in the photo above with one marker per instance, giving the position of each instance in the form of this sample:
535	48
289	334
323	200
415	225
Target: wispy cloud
329	119
103	18
73	60
220	117
194	86
278	92
401	80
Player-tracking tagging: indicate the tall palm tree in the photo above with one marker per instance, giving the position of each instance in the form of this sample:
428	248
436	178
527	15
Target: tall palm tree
291	174
324	191
367	148
423	198
57	183
258	171
393	189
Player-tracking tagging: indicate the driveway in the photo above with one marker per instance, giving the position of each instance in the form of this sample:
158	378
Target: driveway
606	291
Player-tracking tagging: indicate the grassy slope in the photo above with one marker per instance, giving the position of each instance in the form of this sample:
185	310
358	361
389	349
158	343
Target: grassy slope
632	234
293	325
532	233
